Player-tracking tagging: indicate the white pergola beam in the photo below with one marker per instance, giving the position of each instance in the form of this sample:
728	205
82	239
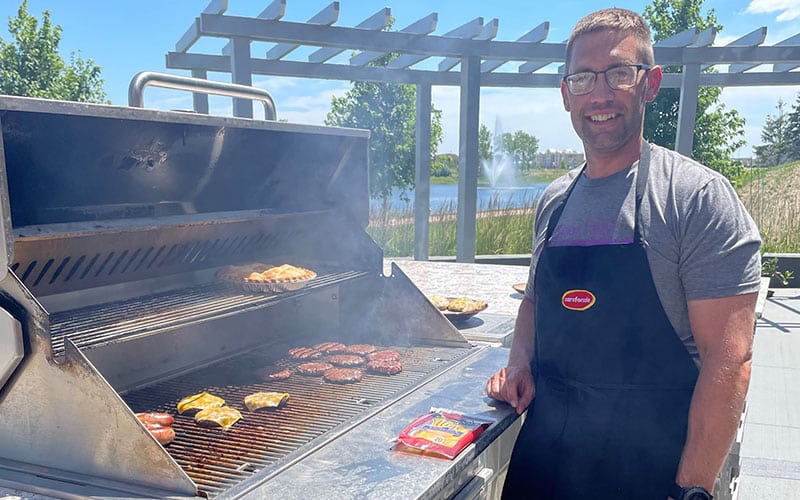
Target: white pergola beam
326	17
682	39
193	32
377	21
467	31
488	32
793	40
424	26
752	39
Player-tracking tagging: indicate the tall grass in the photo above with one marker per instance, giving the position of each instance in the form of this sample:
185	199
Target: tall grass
772	196
501	228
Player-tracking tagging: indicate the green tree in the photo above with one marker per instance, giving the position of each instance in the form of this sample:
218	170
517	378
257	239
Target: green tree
775	134
522	147
793	129
389	112
31	66
718	132
485	143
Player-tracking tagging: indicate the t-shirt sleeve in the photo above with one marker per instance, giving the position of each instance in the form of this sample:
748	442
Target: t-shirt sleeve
720	244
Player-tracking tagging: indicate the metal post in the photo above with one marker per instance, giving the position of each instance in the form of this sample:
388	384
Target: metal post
468	158
200	99
242	74
687	109
422	173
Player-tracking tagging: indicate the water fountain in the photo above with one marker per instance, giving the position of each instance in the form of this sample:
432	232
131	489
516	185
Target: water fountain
499	170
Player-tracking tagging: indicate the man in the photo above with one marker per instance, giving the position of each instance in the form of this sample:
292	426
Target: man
635	331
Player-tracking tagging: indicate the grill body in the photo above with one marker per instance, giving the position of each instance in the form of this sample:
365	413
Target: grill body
115	222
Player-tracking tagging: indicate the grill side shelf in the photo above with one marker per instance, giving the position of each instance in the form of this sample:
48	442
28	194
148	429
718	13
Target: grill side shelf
133	319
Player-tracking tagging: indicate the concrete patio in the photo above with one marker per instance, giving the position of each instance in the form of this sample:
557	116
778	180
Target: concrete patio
770	435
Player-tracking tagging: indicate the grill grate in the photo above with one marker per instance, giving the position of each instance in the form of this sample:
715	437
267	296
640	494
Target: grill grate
93	326
217	460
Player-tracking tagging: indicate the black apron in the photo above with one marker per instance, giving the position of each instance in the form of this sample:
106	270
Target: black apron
613	380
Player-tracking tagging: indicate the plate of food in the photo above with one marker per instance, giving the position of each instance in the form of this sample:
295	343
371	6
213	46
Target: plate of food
458	308
259	277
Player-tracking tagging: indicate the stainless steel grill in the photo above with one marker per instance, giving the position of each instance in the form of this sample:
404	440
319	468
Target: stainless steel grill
115	223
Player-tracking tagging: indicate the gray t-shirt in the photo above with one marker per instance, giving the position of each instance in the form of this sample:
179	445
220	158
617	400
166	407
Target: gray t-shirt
700	240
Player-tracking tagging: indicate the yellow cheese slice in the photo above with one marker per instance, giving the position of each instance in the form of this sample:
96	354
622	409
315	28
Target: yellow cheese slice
259	400
199	402
223	416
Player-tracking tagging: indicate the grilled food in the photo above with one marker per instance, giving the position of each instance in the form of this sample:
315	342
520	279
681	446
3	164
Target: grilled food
304	353
342	375
222	416
164	434
360	349
238	273
384	355
199	401
259	400
439	301
346	360
154	418
329	347
285	273
313	368
159	425
385	367
466	305
281	375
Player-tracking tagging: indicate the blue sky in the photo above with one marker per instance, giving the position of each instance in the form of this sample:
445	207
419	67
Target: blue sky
124	38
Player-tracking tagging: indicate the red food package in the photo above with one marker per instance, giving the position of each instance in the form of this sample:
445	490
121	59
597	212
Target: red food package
441	433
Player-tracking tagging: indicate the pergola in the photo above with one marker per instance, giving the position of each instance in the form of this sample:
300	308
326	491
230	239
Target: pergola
468	57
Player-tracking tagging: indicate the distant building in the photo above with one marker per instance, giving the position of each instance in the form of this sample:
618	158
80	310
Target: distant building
560	159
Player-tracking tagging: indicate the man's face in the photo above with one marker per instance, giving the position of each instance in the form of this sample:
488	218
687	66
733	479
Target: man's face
607	120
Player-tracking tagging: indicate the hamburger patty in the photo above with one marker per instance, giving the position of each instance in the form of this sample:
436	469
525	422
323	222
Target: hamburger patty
342	375
329	347
281	375
304	353
314	368
385	367
360	349
384	355
346	360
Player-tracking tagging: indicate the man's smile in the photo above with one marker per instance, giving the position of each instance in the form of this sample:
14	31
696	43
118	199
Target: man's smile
602	117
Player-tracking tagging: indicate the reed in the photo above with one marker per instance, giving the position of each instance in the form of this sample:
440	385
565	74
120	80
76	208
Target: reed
772	196
501	228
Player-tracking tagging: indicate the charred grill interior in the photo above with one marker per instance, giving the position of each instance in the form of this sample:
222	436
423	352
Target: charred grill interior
216	459
116	222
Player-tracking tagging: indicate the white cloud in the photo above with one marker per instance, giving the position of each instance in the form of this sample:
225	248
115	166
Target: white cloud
789	9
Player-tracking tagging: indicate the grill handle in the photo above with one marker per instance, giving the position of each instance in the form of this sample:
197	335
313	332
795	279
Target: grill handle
145	78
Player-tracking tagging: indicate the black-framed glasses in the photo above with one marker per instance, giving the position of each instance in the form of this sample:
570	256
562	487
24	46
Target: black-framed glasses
619	77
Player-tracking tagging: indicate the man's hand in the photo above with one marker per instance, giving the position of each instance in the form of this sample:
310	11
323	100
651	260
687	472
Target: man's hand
514	385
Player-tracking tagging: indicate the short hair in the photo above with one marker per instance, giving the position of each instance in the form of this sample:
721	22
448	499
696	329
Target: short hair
623	21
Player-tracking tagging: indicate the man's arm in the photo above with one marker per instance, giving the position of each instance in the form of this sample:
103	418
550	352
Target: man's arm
514	384
723	331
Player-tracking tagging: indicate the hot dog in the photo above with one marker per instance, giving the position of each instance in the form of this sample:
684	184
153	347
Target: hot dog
159	425
163	419
164	434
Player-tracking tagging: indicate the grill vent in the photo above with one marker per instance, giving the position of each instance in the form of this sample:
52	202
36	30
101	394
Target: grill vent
119	264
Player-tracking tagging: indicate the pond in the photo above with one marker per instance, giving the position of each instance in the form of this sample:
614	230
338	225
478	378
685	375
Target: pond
444	198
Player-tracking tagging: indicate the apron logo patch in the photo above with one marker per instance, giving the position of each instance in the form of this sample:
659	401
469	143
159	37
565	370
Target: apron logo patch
578	300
